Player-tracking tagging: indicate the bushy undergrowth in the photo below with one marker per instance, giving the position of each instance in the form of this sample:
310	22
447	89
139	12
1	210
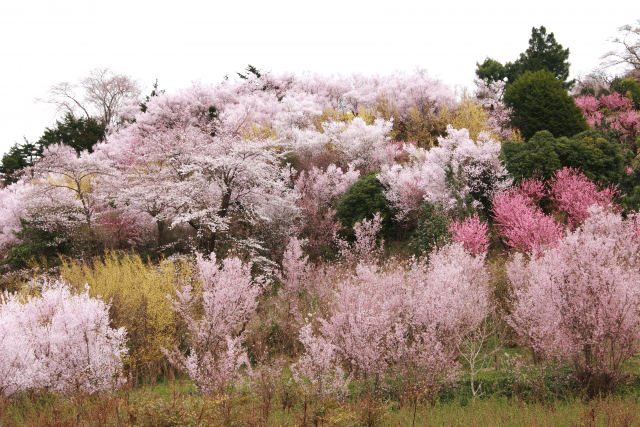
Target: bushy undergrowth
138	293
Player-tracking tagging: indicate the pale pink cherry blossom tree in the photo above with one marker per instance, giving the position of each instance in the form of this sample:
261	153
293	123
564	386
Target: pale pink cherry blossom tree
490	96
447	174
13	206
59	341
62	168
578	302
376	310
318	192
228	302
65	192
190	159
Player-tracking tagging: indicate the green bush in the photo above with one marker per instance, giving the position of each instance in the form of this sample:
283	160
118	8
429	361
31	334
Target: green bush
363	200
432	231
38	246
598	158
539	103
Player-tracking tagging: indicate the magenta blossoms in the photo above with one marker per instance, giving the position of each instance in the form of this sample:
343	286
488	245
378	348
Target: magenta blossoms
472	233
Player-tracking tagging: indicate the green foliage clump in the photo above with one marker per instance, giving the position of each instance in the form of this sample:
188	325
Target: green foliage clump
363	200
627	87
598	158
38	247
432	231
540	102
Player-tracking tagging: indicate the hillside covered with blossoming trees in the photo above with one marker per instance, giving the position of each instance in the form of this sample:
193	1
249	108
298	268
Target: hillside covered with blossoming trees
339	236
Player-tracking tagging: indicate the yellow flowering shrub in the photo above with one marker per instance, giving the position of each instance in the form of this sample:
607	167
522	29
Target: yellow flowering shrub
137	291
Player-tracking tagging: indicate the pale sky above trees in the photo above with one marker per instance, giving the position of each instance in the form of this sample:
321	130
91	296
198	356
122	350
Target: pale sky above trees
44	43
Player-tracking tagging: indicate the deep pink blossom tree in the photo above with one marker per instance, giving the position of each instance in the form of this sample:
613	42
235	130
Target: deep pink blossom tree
522	223
472	233
612	111
574	194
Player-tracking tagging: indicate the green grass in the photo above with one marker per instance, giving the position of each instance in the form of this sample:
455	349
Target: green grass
174	404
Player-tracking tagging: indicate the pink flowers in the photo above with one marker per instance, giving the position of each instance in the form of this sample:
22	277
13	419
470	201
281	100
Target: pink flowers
472	233
578	302
59	342
525	227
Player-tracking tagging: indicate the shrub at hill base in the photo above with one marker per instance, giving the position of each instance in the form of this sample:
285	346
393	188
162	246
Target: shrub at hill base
578	303
58	341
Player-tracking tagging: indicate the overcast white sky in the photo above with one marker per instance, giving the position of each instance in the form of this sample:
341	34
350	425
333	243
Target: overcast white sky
43	42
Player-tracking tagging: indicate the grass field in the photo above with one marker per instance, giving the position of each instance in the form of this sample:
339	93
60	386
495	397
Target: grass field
175	403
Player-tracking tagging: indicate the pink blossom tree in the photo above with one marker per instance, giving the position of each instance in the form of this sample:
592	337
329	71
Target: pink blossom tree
574	194
490	96
195	158
404	321
612	111
58	341
522	223
13	206
578	302
228	302
472	233
447	175
317	192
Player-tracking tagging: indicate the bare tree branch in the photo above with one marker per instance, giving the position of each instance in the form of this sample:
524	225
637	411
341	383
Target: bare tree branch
629	40
99	96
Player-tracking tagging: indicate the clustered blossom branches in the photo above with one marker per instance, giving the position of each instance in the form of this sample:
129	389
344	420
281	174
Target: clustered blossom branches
578	302
228	300
446	175
612	111
401	320
59	342
525	227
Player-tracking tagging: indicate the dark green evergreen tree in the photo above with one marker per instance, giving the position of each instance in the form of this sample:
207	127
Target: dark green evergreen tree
18	157
80	134
598	158
544	53
363	200
540	102
491	70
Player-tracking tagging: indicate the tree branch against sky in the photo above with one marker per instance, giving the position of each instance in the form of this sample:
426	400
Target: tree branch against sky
627	52
98	96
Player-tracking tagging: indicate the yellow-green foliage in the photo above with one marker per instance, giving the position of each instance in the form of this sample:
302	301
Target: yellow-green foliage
255	131
470	115
331	115
138	293
421	126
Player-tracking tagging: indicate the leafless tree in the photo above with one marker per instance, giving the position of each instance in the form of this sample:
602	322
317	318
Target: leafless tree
629	41
99	95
